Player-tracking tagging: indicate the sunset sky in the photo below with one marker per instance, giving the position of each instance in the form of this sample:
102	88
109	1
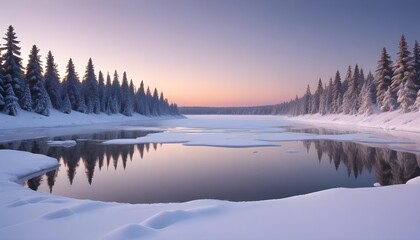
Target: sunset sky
215	52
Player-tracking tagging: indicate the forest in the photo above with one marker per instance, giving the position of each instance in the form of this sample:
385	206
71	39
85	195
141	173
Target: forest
35	91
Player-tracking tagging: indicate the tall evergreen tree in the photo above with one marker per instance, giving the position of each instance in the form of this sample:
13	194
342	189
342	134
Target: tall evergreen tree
116	94
13	70
317	97
148	102
155	103
52	82
307	101
126	105
337	94
73	88
389	103
350	93
402	68
101	91
91	94
40	99
406	95
10	101
383	76
141	100
108	95
66	105
416	65
366	96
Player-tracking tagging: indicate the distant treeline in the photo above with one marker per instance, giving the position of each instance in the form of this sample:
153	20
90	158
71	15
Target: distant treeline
34	91
258	110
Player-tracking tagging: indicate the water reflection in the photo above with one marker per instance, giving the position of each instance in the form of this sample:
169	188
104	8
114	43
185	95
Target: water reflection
177	173
391	167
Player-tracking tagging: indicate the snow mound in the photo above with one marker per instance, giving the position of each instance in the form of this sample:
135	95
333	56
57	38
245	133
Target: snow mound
128	232
415	181
66	144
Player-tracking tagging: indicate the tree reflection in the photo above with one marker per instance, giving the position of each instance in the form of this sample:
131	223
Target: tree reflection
90	153
391	167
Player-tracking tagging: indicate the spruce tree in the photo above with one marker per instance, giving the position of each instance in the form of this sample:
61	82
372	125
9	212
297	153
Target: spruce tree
348	96
40	100
73	88
416	65
366	97
406	95
402	68
148	102
108	95
10	101
307	101
155	103
13	70
116	94
141	99
126	105
101	91
90	93
337	94
52	82
389	103
317	97
66	105
383	76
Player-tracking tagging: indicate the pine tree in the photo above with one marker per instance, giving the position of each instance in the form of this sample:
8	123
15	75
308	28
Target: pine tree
90	92
108	95
13	70
306	101
72	88
402	68
329	97
317	98
337	94
155	103
10	101
141	100
383	76
126	105
148	102
132	96
52	82
416	65
101	91
366	96
389	103
116	94
66	105
40	100
416	105
406	95
348	96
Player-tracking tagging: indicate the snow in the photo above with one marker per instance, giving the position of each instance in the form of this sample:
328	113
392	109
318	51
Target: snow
66	143
326	214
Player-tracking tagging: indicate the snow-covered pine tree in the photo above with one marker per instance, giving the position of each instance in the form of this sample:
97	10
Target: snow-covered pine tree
116	94
329	97
101	91
163	104
108	95
72	88
348	96
140	100
13	70
2	93
360	82
306	104
90	93
316	98
10	101
132	95
416	65
402	68
66	105
389	103
416	105
126	105
323	103
148	102
40	100
337	94
155	103
26	99
52	82
383	76
406	95
366	97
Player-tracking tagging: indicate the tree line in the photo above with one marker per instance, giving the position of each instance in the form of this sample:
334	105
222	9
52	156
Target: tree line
35	91
395	86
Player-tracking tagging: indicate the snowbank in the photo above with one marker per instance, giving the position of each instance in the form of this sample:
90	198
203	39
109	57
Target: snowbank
323	215
387	120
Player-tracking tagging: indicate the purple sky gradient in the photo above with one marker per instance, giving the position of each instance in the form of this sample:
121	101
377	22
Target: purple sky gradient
215	52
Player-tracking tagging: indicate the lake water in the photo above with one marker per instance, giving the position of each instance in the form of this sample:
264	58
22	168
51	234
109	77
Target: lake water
156	173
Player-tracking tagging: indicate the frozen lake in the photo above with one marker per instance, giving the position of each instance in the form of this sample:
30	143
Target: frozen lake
262	159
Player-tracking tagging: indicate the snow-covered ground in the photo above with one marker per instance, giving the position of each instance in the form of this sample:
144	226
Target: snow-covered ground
365	213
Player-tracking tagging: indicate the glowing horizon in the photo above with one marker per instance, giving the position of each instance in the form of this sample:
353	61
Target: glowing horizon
214	53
